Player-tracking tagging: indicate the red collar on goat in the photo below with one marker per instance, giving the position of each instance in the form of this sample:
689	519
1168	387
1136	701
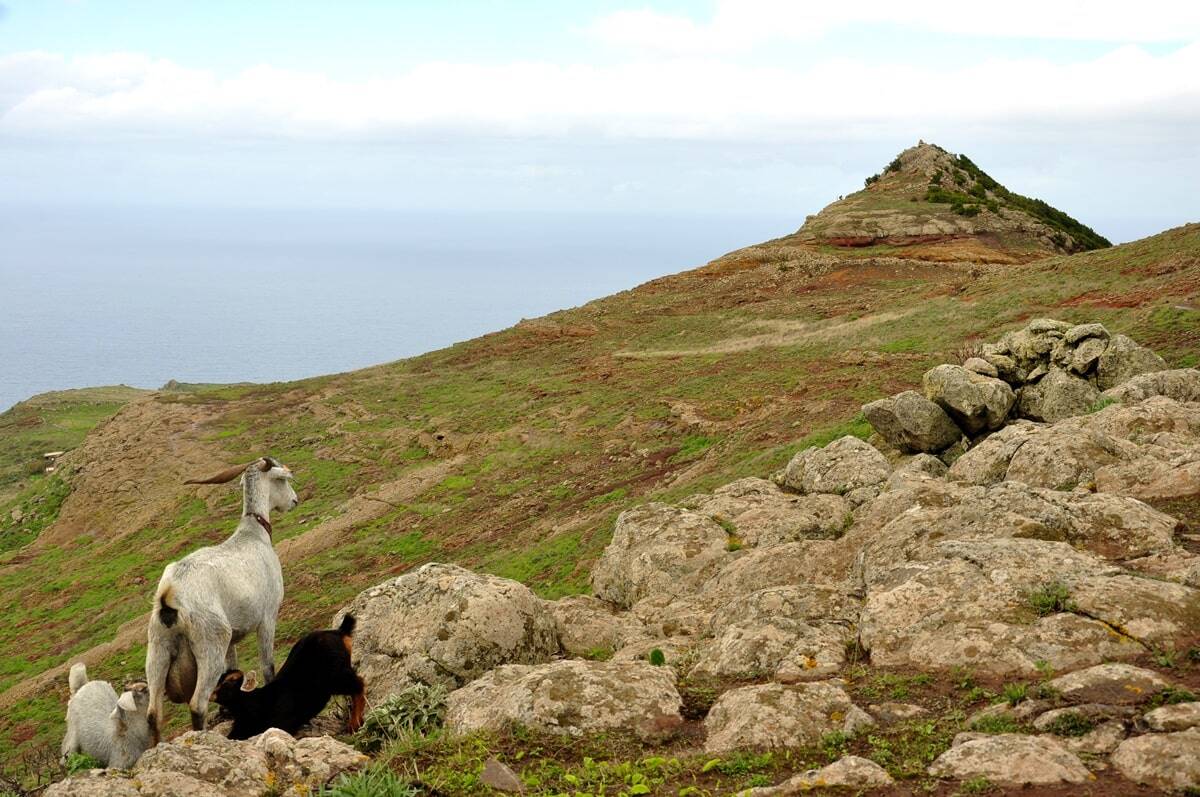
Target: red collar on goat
262	521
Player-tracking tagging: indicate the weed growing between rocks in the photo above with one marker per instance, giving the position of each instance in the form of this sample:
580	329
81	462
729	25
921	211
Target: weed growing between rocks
1072	723
372	782
417	709
1051	598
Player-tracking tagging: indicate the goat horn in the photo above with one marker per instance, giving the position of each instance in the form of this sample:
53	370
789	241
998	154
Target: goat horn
227	475
265	464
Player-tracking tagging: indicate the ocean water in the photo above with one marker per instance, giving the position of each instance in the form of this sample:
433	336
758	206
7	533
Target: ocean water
95	296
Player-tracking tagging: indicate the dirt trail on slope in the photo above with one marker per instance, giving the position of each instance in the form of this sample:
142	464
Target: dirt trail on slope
781	332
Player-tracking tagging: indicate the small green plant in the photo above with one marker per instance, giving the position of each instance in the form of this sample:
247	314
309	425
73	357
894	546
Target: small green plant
835	744
979	785
1044	668
1165	658
602	653
1172	695
1071	723
81	762
1102	403
1014	693
996	723
374	782
1051	598
416	709
657	657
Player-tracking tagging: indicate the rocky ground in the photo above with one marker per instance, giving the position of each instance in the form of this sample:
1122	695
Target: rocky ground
978	600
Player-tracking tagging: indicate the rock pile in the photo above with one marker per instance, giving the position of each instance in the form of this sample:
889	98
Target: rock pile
1048	371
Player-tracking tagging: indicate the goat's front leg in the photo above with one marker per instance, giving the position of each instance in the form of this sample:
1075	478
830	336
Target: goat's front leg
266	649
210	651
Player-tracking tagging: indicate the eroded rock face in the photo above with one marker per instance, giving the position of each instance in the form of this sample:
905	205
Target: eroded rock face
1057	395
206	764
970	605
1178	717
1164	760
1181	384
1011	759
588	626
761	514
976	403
1124	359
775	715
442	624
845	465
913	423
571	698
659	550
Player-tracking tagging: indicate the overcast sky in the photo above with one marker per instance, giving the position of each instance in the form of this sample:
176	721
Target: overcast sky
746	107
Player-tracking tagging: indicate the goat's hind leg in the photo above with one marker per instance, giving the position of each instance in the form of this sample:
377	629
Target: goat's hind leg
158	664
210	650
266	649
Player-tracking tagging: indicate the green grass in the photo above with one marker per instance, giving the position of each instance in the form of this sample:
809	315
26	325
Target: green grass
1049	599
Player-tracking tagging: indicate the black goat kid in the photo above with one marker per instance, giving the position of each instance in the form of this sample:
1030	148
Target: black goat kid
317	668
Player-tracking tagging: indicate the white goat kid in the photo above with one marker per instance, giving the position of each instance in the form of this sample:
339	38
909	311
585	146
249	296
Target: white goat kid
113	730
213	597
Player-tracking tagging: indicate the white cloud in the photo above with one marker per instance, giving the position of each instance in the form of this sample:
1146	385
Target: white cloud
738	25
684	98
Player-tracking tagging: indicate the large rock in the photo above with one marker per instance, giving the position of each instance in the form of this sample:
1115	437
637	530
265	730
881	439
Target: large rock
1113	683
1124	359
442	624
1032	345
976	403
850	772
206	764
589	627
1182	384
970	605
987	461
1011	759
912	423
759	513
573	698
1168	761
793	633
659	550
1057	395
774	715
844	465
805	562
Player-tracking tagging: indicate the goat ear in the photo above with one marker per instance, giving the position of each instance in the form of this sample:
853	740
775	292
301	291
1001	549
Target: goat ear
250	681
227	475
126	702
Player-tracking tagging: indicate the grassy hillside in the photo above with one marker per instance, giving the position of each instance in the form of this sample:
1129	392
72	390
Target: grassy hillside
513	453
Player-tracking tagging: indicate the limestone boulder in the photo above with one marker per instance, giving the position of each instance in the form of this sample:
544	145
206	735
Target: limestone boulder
777	715
1011	759
659	550
975	403
572	698
1059	394
1124	359
844	465
850	772
1169	761
443	624
1181	384
912	423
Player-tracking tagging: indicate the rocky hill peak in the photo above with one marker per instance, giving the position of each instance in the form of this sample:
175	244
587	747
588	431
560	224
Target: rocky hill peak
931	204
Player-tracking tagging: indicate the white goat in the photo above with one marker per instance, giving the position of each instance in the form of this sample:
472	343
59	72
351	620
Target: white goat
113	730
212	598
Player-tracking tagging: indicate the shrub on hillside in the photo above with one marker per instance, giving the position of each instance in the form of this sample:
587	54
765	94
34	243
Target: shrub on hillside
418	709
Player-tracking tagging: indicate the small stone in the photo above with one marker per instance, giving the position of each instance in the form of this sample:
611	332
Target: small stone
1011	758
981	366
1083	331
1109	683
890	713
500	777
1178	717
850	772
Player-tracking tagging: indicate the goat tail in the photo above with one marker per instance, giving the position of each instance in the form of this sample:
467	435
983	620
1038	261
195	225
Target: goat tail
168	615
78	676
347	626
